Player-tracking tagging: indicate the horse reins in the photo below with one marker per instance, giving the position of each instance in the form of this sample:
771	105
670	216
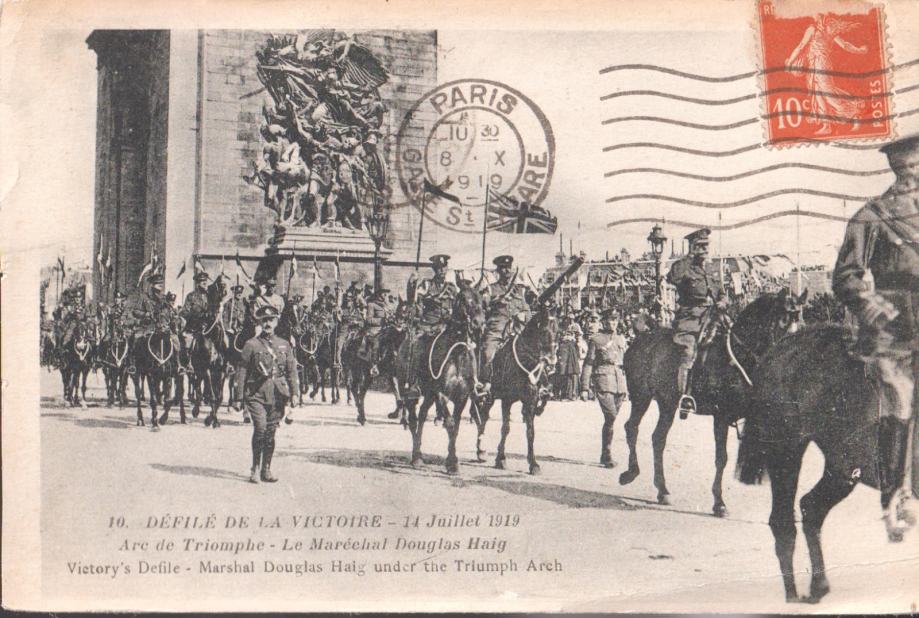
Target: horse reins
532	375
158	359
464	344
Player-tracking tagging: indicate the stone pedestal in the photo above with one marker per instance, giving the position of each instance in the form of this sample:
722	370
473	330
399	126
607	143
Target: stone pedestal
347	245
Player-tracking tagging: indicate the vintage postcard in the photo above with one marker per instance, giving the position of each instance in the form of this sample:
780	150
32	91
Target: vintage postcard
517	307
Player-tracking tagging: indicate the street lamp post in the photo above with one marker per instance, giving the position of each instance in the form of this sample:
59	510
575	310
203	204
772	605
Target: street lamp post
657	240
377	225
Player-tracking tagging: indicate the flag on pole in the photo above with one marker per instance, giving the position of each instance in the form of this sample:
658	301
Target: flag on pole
181	270
293	264
199	267
337	268
222	260
143	273
239	265
507	215
316	268
101	261
439	192
108	260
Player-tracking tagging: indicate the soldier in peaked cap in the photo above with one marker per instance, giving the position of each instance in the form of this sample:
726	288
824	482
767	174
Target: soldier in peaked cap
696	291
268	379
504	299
266	295
375	314
602	372
194	307
234	310
877	278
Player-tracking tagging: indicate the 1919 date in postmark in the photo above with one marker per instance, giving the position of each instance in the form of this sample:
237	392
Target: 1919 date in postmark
825	71
477	134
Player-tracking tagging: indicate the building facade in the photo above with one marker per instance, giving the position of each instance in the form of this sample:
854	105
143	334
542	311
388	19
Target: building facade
178	129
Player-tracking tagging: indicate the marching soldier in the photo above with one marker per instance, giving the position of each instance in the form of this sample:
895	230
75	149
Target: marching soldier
602	372
877	278
268	379
696	291
504	299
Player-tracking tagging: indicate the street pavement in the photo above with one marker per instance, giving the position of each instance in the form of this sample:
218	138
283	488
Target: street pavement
114	496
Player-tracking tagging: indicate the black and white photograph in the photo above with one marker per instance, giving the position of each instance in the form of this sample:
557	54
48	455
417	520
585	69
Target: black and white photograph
526	308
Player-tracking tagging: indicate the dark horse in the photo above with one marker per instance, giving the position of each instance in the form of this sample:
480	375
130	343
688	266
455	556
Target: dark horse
208	355
520	372
156	361
810	389
357	367
113	354
446	372
76	361
728	354
317	346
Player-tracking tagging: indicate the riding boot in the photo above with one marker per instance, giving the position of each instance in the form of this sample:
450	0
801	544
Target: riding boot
892	443
606	437
257	445
267	453
686	405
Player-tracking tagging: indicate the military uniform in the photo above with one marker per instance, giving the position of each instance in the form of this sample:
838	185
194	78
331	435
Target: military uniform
267	375
877	277
602	372
504	302
234	313
695	291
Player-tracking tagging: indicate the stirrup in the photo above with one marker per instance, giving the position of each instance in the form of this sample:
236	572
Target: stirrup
412	392
686	406
132	370
374	371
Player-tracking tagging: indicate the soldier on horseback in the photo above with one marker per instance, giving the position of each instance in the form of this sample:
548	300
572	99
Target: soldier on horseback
696	292
505	300
234	311
435	296
877	277
375	314
195	311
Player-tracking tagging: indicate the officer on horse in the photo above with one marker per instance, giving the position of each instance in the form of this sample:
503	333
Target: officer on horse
195	309
152	305
375	314
877	278
696	292
505	300
435	296
234	311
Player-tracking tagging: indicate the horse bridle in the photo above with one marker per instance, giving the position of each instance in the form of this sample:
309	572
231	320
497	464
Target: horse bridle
533	375
159	359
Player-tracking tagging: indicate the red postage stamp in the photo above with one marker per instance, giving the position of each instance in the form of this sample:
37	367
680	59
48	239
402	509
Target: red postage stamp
825	74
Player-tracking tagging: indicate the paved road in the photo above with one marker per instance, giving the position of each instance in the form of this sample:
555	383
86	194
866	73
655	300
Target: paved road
570	538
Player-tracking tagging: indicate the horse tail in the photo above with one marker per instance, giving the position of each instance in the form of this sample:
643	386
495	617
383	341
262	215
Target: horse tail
751	454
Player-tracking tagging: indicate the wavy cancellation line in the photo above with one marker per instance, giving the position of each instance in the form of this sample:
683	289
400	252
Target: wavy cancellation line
745	223
740	76
755	120
736	203
742	149
747	174
750	97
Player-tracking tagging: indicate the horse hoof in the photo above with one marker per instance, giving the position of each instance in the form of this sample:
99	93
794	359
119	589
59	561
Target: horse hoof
195	412
207	421
361	419
182	421
163	419
246	420
499	464
480	456
609	464
719	510
628	476
417	462
288	420
534	469
452	468
819	590
393	415
216	424
662	499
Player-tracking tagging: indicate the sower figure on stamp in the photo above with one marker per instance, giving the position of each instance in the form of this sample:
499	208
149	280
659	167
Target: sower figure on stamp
696	291
505	299
877	277
436	296
268	380
602	372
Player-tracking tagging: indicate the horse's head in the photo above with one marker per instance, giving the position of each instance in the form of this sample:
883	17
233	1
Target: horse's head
543	329
468	309
770	317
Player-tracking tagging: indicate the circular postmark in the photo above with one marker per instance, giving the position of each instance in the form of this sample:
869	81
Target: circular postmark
466	136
